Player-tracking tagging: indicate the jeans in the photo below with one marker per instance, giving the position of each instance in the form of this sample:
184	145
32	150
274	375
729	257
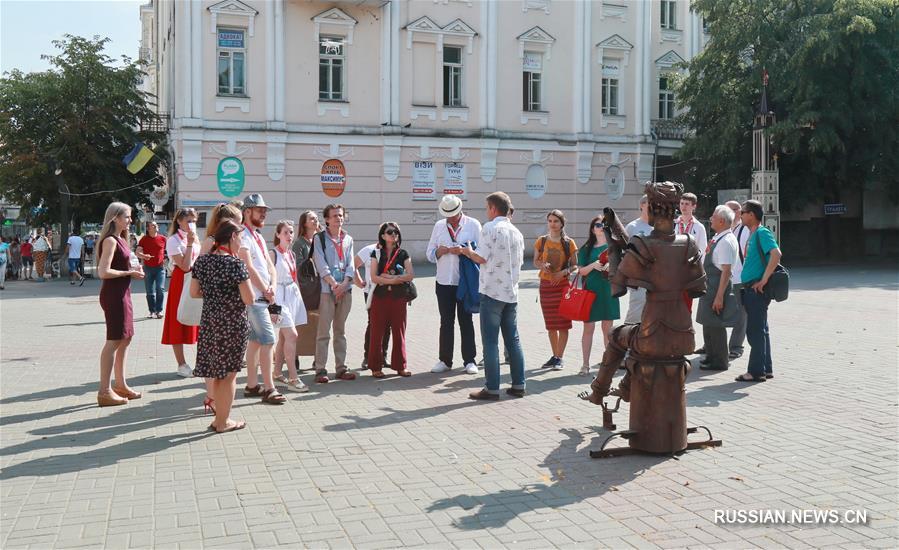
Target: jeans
756	306
154	282
738	333
450	308
499	316
262	331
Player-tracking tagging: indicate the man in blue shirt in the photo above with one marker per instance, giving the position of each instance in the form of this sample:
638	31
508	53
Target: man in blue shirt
757	269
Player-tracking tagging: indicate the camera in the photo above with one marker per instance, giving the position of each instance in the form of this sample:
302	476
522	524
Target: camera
274	309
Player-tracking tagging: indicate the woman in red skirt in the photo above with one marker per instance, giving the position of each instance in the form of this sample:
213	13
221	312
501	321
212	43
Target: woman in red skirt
555	255
183	247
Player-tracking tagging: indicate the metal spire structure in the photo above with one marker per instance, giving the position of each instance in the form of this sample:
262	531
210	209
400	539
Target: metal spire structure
765	175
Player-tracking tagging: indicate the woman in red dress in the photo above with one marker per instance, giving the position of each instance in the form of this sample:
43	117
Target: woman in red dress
183	247
116	271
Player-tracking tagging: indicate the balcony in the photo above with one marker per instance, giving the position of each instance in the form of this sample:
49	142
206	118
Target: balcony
145	55
155	123
669	128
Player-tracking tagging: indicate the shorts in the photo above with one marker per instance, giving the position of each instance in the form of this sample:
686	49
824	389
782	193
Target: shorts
74	265
27	261
261	329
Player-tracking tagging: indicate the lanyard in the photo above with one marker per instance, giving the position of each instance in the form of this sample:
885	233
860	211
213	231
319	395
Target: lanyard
453	232
256	238
390	261
226	249
338	244
290	260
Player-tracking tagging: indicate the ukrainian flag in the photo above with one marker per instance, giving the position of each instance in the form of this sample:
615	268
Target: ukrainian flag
137	158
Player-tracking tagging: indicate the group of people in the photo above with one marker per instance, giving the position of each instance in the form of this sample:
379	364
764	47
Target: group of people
30	258
253	308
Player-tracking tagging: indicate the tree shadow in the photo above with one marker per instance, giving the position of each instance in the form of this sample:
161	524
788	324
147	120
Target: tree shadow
573	477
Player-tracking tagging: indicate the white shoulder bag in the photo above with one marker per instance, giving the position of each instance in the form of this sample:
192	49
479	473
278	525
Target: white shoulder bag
189	309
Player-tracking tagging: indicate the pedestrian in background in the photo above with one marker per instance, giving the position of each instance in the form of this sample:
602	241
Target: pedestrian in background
74	254
636	297
307	227
27	258
741	232
500	254
116	270
151	249
222	280
448	237
41	252
555	255
391	269
15	255
718	308
4	261
183	249
293	312
593	262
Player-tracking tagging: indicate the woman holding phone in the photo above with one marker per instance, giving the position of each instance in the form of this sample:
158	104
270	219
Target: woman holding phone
183	247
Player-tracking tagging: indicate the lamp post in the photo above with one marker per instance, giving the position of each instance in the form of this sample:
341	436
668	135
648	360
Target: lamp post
64	222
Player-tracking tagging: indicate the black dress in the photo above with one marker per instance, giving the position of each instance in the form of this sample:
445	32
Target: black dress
223	323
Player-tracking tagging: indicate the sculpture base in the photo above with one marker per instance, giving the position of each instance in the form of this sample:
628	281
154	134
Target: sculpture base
630	434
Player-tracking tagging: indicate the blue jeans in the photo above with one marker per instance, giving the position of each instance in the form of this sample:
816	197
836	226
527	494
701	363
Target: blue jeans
756	306
499	316
154	282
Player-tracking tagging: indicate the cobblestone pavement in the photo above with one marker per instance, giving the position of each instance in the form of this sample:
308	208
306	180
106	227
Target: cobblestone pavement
413	463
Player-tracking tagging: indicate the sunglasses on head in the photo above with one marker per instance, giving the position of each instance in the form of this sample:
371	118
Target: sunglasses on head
391	232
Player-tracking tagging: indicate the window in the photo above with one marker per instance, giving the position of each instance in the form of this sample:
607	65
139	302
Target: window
232	69
331	66
452	76
611	71
532	82
666	98
668	18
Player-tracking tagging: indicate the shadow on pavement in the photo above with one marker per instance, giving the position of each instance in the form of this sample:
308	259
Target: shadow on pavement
88	388
569	482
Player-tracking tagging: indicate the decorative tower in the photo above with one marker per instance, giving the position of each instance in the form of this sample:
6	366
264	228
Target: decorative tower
765	176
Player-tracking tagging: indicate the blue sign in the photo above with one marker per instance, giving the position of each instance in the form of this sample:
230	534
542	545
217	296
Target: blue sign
834	209
230	39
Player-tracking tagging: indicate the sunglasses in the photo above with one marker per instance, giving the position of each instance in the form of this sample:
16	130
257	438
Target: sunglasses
599	225
391	232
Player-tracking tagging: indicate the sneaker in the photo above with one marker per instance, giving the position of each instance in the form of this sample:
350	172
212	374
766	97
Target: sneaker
735	354
559	364
585	371
550	363
185	371
441	367
480	363
471	368
364	364
296	386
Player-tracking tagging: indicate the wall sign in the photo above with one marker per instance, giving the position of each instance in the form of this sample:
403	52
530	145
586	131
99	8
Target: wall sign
230	39
230	176
333	177
834	209
614	181
532	61
535	181
454	179
424	180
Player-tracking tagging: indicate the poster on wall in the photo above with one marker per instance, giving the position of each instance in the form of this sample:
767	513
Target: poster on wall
333	177
424	181
535	181
230	176
614	181
454	179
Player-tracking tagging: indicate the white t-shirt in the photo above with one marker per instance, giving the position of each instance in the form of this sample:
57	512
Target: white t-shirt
75	244
255	243
364	256
638	227
742	238
725	249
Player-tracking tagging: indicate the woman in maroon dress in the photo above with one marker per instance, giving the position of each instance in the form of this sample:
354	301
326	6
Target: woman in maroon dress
116	271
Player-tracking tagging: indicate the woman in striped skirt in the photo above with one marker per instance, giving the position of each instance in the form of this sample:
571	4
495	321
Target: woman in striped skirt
555	255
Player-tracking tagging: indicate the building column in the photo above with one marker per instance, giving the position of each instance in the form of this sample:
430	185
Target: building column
386	53
394	62
270	69
491	39
644	28
196	60
587	90
279	61
182	62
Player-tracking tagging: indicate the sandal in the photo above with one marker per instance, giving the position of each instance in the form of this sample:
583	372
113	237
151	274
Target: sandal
749	378
346	375
585	371
404	373
377	374
209	405
273	397
321	377
126	392
255	391
237	425
297	385
280	380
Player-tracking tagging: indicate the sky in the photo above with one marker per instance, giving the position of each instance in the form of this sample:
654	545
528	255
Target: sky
27	28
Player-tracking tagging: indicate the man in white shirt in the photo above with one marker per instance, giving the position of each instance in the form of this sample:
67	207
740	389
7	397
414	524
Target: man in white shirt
686	224
74	252
500	254
263	279
449	236
362	261
723	249
742	233
636	297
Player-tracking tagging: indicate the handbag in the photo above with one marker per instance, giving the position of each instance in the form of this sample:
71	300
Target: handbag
576	302
190	309
406	291
778	287
309	282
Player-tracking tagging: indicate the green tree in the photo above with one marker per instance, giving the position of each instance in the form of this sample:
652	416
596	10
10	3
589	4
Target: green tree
81	117
834	72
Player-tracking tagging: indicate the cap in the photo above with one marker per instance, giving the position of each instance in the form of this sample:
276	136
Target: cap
254	201
450	205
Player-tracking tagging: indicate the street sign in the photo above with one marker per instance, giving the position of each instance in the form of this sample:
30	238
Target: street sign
834	209
230	176
333	177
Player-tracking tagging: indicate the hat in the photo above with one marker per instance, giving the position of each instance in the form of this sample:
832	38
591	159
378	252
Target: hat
450	205
254	201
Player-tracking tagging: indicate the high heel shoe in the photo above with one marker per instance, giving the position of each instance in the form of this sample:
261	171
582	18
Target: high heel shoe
127	393
110	399
209	405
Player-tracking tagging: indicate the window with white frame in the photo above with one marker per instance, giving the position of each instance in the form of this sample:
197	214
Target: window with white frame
331	69
668	18
452	76
611	73
232	55
532	81
666	97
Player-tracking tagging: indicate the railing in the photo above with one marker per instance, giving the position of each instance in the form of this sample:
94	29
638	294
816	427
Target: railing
669	128
155	123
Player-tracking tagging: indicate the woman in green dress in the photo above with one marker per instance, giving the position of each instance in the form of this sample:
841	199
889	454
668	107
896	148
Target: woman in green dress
593	264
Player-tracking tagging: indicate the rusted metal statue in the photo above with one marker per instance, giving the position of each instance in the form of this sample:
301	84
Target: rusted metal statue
653	351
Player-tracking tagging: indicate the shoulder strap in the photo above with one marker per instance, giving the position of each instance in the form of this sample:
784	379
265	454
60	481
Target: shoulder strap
321	237
542	241
276	255
758	243
566	243
740	248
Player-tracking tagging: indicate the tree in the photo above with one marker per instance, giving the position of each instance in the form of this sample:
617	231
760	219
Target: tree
834	72
81	117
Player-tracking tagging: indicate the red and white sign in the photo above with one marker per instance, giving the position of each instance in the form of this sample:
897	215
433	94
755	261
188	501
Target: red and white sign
454	180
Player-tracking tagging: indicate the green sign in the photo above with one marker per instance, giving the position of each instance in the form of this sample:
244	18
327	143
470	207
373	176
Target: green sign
230	176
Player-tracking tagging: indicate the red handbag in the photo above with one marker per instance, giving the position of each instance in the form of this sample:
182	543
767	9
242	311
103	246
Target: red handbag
576	302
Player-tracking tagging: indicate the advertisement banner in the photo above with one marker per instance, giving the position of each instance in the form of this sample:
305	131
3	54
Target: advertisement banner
454	179
424	181
230	176
333	177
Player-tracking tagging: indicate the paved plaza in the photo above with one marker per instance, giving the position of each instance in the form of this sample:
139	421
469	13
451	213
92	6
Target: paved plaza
414	463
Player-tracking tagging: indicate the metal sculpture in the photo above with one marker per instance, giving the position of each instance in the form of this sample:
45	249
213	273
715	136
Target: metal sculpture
668	266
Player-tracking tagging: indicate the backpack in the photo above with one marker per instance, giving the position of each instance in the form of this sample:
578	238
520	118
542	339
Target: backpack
565	245
308	279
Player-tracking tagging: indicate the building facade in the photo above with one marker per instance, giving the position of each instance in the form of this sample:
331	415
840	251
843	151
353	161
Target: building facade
384	106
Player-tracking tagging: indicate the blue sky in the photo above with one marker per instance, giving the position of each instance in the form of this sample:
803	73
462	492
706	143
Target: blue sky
28	26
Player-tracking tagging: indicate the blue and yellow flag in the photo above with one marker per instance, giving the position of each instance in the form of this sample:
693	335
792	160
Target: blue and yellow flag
137	158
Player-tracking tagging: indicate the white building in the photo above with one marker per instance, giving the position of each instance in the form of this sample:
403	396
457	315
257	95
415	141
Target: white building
562	104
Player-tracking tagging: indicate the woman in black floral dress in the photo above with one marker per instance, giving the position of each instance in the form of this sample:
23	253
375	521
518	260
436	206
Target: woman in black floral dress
222	280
